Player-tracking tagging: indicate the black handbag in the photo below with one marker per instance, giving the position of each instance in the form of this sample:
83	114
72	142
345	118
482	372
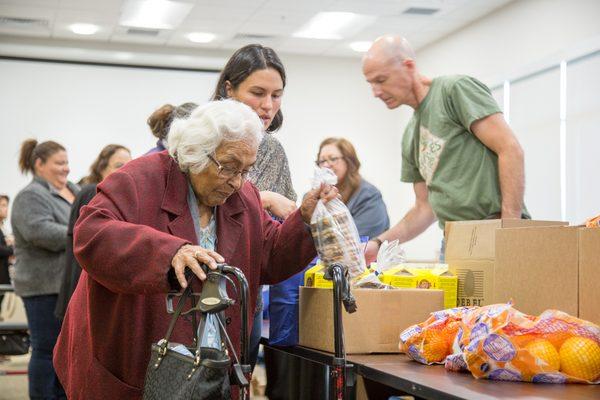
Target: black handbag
172	375
14	340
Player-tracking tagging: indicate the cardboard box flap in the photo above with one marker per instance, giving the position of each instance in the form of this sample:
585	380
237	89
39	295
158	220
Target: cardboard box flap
475	240
414	269
398	271
436	269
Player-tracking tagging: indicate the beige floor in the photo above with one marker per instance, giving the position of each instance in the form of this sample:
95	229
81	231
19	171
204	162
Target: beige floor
14	387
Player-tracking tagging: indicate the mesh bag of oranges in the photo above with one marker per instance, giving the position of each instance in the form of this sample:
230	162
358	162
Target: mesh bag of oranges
430	342
500	343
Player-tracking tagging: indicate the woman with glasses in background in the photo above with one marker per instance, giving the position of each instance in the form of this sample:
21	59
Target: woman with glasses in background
362	198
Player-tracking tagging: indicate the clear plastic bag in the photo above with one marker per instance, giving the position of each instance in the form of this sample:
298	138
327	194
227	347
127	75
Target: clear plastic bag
389	255
333	229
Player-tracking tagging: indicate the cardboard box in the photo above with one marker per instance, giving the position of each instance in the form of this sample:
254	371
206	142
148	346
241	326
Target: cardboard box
589	274
471	253
538	269
549	268
423	276
376	325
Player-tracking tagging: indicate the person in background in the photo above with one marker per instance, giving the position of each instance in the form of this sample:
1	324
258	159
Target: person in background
111	158
160	122
39	219
255	76
464	161
6	245
362	198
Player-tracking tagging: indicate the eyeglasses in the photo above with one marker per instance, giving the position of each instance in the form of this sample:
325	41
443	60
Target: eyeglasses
330	161
227	172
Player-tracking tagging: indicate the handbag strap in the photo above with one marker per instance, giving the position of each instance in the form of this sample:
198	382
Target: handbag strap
186	293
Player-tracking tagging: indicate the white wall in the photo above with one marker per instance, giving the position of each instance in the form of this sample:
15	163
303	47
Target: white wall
513	38
85	107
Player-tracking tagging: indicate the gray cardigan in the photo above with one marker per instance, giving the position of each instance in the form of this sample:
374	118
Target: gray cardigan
368	210
39	221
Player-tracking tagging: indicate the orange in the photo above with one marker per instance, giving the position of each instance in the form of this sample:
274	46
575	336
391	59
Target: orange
580	358
450	331
557	338
434	346
545	353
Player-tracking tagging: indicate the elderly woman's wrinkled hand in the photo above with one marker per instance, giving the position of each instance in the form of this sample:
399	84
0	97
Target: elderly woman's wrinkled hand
325	193
189	256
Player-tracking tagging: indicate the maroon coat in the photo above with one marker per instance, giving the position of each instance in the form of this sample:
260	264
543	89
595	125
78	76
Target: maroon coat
125	240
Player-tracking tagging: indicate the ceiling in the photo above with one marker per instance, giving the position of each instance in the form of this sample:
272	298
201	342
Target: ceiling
239	22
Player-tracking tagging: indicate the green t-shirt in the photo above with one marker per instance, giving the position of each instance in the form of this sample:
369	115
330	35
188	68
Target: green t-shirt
439	148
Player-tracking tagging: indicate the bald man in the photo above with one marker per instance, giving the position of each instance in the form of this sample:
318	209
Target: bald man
459	153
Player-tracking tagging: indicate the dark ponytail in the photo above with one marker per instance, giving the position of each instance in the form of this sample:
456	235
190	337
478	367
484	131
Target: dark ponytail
31	150
25	158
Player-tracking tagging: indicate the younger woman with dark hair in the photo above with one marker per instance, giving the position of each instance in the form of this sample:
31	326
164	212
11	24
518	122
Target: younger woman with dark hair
255	76
111	158
39	221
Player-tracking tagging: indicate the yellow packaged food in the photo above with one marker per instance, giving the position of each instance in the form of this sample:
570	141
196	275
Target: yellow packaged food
314	277
424	276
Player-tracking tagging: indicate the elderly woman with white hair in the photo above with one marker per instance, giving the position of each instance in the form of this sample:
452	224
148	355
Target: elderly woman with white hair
153	219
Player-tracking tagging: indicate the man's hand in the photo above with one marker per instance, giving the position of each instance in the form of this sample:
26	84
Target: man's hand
371	251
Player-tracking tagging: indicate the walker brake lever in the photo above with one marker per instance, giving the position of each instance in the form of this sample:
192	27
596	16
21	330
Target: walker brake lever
213	298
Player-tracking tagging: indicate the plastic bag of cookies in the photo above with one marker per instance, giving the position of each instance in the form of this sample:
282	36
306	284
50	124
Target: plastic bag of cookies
333	229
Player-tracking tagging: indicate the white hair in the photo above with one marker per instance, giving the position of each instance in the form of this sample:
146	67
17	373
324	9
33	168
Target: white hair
191	140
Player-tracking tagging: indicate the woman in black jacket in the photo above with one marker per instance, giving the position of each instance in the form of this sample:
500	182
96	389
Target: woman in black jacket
111	158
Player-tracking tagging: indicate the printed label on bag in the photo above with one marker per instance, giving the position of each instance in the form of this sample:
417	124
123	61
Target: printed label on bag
499	348
479	332
504	375
413	352
549	378
410	332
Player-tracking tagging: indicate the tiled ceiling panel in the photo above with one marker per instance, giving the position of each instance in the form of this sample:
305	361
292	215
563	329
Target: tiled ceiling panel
238	22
